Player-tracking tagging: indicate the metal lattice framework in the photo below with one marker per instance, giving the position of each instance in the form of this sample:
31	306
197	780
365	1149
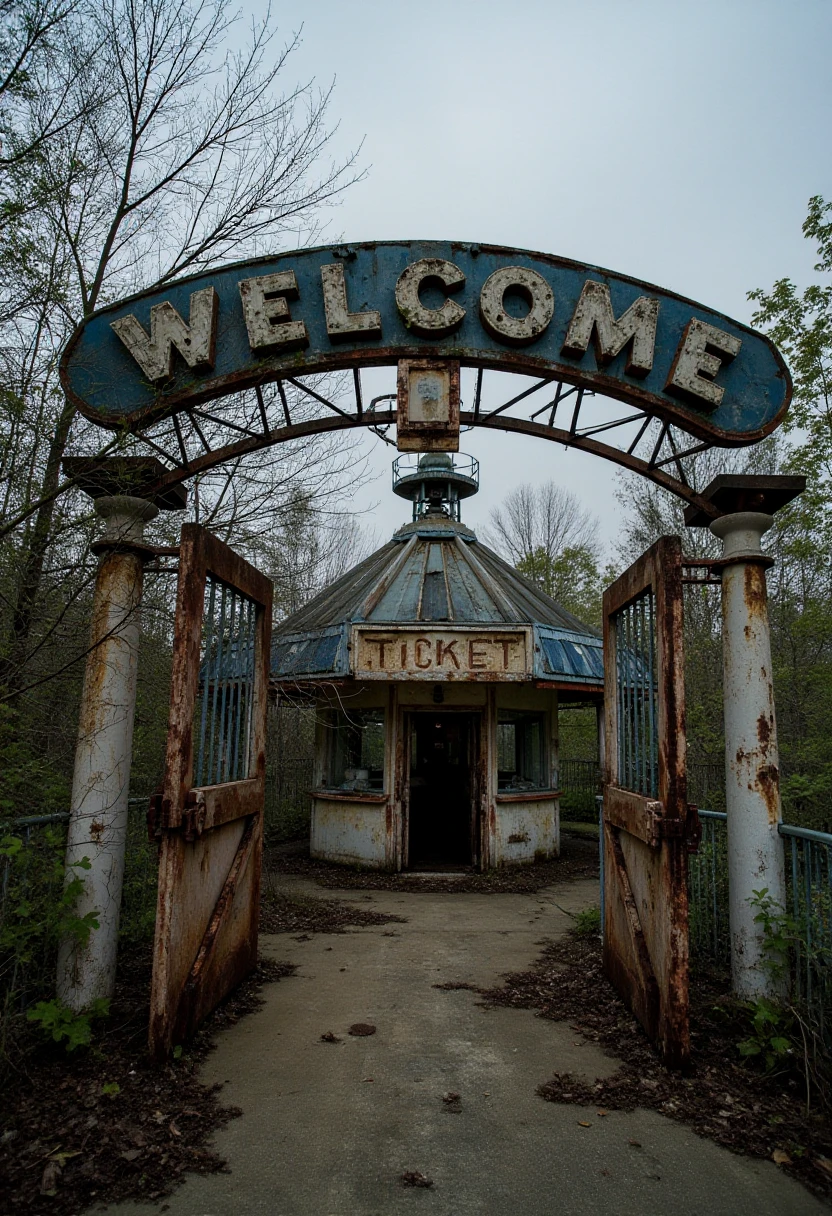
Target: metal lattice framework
204	437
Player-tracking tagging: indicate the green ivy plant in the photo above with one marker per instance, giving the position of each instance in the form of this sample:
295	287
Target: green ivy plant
786	1033
40	910
61	1024
772	1038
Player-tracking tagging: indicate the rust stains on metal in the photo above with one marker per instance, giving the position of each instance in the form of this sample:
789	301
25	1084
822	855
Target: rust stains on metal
210	837
767	781
504	422
427	415
754	588
647	839
118	594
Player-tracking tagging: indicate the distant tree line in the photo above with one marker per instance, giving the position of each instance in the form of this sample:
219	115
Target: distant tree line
139	143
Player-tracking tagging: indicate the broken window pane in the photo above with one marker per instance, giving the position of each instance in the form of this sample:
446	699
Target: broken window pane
521	750
357	750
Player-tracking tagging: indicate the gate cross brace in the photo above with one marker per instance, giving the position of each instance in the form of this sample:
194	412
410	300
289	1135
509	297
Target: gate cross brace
221	909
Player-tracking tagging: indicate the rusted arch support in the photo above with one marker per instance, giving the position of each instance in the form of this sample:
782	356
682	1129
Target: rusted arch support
521	426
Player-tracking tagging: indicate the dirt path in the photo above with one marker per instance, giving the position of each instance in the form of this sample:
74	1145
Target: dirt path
329	1128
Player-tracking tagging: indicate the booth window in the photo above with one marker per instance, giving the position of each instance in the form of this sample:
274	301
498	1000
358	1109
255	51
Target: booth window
356	753
521	750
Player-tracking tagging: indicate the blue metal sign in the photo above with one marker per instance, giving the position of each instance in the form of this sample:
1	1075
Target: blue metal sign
316	310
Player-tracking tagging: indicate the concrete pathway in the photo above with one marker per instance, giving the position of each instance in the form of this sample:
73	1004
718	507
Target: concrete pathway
327	1129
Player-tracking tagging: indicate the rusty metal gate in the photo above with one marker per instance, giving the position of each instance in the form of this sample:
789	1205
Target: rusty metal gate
645	800
208	819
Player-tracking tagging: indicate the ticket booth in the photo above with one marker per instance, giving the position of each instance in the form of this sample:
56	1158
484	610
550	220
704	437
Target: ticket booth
436	671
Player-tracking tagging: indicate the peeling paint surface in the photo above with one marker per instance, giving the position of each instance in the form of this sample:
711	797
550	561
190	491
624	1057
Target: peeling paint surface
481	305
350	832
525	831
210	838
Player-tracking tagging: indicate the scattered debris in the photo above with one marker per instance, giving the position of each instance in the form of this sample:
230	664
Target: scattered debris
720	1097
106	1125
329	1037
453	1103
361	1030
294	913
579	859
415	1178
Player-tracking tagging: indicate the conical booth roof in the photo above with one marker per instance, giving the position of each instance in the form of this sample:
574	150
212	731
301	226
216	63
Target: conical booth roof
435	573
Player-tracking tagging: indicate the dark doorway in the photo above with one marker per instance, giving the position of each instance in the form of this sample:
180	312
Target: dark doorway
442	803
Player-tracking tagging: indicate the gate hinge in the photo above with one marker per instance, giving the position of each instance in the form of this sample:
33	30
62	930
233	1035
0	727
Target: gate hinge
158	816
668	829
190	824
193	816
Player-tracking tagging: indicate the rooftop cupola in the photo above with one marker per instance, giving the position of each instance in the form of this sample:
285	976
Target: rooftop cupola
436	483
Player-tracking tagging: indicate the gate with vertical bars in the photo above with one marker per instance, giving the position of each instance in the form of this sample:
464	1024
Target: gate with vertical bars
209	816
645	820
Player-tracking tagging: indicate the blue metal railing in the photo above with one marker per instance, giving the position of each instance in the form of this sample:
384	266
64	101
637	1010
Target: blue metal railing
708	889
636	666
809	877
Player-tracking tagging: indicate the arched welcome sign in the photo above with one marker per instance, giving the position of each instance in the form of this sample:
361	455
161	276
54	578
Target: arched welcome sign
243	325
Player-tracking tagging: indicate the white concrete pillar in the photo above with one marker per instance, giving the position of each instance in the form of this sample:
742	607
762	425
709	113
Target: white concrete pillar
98	808
755	849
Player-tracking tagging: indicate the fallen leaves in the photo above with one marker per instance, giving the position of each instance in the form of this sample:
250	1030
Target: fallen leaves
49	1180
719	1097
415	1178
361	1030
578	859
110	1126
781	1157
307	914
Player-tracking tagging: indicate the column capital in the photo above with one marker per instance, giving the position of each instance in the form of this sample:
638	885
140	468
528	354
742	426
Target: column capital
738	493
124	521
741	534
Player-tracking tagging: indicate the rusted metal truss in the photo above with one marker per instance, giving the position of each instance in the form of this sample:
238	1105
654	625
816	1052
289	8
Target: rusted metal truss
208	818
195	441
646	815
702	572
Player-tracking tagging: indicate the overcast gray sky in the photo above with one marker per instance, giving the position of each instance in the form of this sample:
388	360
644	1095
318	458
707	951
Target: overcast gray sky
672	141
